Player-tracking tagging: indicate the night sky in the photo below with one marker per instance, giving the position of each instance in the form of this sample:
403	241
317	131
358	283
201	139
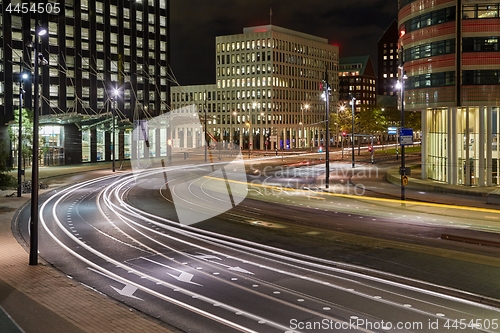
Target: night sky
354	25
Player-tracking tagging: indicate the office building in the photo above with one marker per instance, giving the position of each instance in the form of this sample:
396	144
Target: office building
92	48
268	89
357	78
451	52
387	52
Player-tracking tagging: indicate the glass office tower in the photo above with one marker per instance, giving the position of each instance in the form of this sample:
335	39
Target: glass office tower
92	48
451	50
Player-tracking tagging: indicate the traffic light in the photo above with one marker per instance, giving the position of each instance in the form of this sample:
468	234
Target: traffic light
370	149
344	134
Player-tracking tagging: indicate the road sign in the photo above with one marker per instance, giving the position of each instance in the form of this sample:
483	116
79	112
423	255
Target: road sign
407	171
406	136
404	180
392	130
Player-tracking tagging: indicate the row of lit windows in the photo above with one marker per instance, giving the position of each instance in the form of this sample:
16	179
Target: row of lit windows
481	77
365	88
275	118
245	82
84	100
480	11
391	57
64	65
244	70
429	19
267	82
274	44
481	44
430	80
244	45
244	57
250	57
357	80
252	95
99	5
277	69
430	50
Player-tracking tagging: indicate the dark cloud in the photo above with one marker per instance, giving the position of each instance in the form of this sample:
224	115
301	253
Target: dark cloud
354	25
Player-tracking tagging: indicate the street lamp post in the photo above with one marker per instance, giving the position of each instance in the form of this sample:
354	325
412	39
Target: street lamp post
205	126
20	170
401	85
302	107
353	102
327	135
403	165
113	101
231	134
33	258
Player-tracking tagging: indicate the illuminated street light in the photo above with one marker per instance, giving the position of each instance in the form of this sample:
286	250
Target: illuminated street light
39	61
401	85
113	102
20	170
353	103
326	98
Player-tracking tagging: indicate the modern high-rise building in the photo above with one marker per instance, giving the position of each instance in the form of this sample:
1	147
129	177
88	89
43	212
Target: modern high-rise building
451	58
387	52
357	78
268	88
91	48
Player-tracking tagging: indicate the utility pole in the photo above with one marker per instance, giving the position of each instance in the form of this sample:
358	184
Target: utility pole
353	102
403	166
20	171
327	134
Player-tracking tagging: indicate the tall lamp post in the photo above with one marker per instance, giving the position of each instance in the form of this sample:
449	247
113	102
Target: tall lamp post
353	103
20	170
205	125
113	110
231	134
401	85
302	107
326	97
39	61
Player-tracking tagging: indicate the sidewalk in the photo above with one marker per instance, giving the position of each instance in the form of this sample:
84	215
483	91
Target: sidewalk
41	299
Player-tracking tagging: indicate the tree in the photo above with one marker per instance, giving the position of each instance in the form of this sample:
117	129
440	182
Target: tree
370	121
27	133
412	118
6	180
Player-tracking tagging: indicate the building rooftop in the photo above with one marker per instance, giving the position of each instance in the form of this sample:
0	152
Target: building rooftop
361	64
267	28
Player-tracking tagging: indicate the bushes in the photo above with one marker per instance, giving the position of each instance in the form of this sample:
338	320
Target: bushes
7	181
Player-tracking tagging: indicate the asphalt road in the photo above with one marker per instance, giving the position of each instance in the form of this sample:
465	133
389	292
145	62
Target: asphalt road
117	236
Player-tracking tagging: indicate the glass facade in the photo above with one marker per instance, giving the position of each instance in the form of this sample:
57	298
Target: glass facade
453	79
462	145
90	51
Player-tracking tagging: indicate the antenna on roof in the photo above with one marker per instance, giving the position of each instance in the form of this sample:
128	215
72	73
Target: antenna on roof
270	16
